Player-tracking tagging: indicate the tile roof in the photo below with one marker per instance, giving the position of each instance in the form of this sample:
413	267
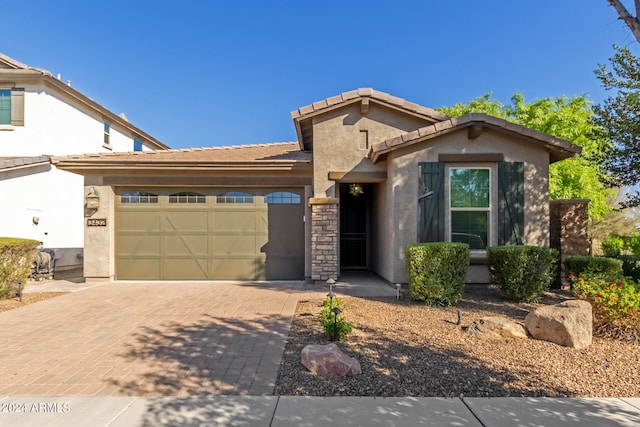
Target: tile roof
558	148
273	153
358	94
10	162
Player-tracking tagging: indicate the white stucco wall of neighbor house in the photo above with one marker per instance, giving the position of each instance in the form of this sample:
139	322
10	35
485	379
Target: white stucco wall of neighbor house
53	125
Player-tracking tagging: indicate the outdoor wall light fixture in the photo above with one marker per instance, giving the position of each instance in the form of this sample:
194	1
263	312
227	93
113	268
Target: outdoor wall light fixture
355	189
93	198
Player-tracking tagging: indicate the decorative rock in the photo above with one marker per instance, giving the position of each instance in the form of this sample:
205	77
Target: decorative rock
497	328
328	360
569	323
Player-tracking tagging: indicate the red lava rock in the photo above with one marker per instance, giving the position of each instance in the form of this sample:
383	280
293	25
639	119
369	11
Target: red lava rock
328	360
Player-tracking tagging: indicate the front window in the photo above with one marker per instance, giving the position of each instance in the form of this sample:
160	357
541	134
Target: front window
137	145
5	107
469	200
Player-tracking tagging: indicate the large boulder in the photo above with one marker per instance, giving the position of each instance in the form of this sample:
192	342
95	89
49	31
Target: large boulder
497	328
569	323
328	360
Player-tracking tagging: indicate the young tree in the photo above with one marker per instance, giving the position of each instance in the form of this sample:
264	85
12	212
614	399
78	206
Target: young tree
619	116
566	118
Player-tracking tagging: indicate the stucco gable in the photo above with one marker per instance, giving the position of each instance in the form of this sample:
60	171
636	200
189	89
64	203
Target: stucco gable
558	149
303	115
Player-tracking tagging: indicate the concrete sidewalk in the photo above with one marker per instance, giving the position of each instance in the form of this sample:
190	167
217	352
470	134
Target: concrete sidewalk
316	411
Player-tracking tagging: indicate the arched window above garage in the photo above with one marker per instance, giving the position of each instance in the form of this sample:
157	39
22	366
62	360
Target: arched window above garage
187	197
234	197
139	197
282	198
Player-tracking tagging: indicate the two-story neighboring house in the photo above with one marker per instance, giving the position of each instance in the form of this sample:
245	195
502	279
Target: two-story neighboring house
42	116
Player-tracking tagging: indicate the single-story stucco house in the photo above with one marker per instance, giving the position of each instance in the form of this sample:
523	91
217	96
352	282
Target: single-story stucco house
370	174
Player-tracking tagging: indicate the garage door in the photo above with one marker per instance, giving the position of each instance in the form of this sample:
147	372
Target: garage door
209	234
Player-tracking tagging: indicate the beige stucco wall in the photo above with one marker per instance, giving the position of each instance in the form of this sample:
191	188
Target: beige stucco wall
338	137
402	189
99	263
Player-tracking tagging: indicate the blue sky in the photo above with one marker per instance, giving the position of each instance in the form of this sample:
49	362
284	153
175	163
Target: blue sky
204	73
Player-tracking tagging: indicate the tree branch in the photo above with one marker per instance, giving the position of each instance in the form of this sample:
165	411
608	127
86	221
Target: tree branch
632	21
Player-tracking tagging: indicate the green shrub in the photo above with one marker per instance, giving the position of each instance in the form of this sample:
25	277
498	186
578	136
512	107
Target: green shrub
334	328
608	267
16	258
436	271
634	245
523	273
613	246
616	305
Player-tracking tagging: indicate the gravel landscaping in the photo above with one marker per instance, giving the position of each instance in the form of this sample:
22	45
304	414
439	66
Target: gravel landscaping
407	349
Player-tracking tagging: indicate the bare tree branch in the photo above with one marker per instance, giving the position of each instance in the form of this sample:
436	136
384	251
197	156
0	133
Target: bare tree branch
632	21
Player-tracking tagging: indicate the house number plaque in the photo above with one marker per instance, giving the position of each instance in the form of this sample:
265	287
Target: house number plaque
96	222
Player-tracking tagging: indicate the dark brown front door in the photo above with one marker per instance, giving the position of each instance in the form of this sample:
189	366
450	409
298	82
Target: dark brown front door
354	228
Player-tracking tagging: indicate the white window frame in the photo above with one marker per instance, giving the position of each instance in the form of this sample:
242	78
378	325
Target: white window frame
492	234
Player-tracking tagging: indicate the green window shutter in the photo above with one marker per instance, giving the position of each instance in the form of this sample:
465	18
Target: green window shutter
431	208
17	107
510	203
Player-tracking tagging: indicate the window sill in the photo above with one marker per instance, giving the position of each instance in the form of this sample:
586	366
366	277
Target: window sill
107	146
7	127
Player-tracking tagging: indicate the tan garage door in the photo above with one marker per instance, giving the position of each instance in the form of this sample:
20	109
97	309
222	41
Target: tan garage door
209	234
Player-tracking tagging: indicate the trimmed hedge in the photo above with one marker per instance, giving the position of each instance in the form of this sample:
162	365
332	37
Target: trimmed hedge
523	273
16	259
608	267
436	271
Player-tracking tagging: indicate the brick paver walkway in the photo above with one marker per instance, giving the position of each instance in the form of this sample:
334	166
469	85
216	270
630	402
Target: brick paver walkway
148	339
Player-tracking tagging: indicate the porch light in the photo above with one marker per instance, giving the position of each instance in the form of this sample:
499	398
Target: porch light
355	189
93	198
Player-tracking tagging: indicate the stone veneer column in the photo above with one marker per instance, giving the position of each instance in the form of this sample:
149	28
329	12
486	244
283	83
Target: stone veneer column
324	238
568	230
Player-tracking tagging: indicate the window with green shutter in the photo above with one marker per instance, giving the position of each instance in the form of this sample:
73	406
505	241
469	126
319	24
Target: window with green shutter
469	206
12	107
5	107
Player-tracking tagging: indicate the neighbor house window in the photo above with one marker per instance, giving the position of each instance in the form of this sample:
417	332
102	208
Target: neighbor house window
5	107
12	107
282	198
234	197
187	197
139	197
469	206
107	135
137	145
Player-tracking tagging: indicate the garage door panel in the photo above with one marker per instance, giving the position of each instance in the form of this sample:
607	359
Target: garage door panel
234	221
139	268
230	245
186	245
143	245
186	221
186	268
141	221
236	268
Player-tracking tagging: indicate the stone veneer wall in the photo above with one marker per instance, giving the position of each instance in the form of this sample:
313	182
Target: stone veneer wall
568	230
324	241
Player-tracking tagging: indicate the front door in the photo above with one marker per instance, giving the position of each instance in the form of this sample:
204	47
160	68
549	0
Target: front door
354	227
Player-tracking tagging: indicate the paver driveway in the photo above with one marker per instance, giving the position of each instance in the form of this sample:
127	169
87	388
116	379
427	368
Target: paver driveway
148	339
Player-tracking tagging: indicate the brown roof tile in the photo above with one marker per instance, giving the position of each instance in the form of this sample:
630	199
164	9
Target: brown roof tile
279	152
559	148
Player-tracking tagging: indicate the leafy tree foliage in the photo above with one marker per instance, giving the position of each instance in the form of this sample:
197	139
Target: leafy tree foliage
566	118
619	116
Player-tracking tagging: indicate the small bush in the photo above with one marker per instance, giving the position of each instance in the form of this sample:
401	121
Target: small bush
16	258
634	245
523	273
334	328
608	267
436	272
616	305
613	246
